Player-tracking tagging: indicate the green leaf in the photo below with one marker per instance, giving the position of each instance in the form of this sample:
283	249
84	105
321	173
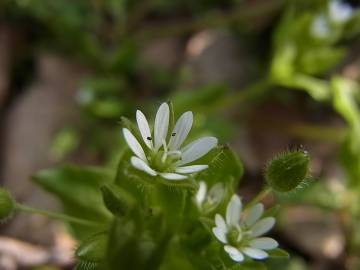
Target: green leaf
117	199
318	60
278	253
78	188
224	166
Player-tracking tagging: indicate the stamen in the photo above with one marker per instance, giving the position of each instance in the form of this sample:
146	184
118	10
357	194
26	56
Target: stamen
175	153
164	145
164	156
148	138
173	134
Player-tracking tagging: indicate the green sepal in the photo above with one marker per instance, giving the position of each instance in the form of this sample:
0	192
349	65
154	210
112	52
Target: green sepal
85	265
224	166
207	223
249	265
93	249
278	253
117	200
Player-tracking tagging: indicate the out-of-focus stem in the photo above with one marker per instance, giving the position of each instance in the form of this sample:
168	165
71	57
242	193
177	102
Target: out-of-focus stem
54	215
241	14
259	197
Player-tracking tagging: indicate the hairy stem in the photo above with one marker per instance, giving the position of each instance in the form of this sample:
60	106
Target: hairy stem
54	215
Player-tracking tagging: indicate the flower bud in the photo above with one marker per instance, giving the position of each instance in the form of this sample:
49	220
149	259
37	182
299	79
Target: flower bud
288	170
7	205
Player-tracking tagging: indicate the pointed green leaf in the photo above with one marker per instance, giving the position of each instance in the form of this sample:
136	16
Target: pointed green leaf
78	189
278	253
117	199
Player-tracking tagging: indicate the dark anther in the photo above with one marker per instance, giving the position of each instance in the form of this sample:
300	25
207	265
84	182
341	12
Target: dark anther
173	134
149	138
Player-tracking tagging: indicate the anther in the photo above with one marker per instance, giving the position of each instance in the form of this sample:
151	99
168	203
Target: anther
173	134
149	138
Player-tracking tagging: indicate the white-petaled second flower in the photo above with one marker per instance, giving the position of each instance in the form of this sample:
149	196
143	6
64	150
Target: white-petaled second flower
241	234
163	153
340	12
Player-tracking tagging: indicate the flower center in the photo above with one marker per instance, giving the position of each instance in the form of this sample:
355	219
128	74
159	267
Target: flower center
238	236
234	236
163	160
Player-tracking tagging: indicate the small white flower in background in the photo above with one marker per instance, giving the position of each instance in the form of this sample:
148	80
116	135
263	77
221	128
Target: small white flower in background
320	27
339	12
241	234
167	158
209	200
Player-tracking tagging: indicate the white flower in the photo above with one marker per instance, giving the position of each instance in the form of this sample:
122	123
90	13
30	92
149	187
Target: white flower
339	12
241	233
208	201
163	153
320	27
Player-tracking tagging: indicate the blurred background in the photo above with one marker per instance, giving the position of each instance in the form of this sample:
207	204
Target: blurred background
262	75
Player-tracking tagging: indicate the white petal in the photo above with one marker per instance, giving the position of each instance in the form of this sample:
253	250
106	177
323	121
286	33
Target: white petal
161	124
255	253
339	12
144	128
133	144
220	222
219	234
197	149
264	243
181	130
201	193
191	169
142	166
320	27
253	214
262	226
216	193
233	210
173	176
234	253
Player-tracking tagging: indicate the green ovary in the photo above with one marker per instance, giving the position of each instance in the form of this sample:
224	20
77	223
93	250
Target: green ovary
161	164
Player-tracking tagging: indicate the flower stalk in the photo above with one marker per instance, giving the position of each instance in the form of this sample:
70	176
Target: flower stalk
54	215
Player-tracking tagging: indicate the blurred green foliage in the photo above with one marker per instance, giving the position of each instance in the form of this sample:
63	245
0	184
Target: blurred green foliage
307	49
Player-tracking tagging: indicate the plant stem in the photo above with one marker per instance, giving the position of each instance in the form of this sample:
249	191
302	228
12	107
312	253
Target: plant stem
242	14
317	132
54	215
243	96
258	197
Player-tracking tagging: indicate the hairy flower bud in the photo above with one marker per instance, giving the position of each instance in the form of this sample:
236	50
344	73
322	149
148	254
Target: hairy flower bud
288	170
7	205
